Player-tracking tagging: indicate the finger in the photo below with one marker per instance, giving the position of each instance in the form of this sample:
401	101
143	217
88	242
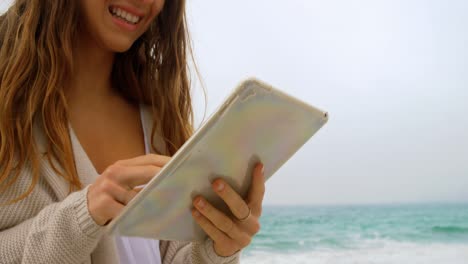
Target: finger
221	221
214	233
138	189
234	201
119	193
110	211
149	159
257	190
131	176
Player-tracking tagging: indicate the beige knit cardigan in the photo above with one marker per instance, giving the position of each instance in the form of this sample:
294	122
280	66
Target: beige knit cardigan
52	226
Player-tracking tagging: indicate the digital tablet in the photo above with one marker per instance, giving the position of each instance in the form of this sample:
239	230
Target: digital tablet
256	123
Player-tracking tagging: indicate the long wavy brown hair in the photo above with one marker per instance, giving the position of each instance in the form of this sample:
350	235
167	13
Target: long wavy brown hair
36	61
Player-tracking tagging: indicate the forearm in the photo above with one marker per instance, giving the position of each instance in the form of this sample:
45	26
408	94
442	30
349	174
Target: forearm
62	232
173	252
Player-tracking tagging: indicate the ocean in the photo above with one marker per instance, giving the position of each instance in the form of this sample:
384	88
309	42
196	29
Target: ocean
386	234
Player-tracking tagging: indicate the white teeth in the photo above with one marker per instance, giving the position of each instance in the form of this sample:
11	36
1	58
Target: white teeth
124	15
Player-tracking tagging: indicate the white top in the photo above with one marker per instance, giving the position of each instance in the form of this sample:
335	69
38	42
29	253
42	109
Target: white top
133	250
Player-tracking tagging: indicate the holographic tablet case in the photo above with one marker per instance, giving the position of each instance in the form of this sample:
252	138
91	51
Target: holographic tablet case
255	123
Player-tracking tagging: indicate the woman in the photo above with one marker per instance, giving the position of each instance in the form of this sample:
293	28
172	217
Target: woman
95	99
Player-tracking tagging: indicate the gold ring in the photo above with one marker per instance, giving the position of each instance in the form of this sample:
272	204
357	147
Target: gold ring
247	217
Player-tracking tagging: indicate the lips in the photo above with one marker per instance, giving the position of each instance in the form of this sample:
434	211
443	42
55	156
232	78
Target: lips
125	15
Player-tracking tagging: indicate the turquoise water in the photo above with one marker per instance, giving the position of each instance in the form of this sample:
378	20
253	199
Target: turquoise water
362	234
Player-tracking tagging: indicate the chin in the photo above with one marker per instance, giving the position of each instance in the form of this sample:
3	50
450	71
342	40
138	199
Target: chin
120	46
121	49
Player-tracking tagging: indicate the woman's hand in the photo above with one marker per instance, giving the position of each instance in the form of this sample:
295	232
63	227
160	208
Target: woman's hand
232	234
115	187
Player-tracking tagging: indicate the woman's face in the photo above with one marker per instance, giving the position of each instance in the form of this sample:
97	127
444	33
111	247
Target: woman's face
116	24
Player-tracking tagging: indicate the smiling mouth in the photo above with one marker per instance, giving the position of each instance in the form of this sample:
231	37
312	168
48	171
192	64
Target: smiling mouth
124	15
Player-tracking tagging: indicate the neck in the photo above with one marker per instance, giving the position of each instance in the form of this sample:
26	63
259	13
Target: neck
91	78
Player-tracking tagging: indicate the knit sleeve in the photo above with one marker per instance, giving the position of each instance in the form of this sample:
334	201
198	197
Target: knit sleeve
61	232
193	253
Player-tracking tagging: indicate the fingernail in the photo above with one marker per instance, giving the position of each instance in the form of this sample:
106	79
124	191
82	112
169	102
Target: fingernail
201	203
196	213
220	186
263	169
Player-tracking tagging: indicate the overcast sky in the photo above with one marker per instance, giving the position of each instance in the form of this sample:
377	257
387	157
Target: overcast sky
393	74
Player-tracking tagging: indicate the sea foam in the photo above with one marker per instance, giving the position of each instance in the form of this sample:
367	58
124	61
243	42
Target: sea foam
370	252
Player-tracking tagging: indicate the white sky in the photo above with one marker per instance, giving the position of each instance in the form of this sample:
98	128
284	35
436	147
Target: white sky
393	74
